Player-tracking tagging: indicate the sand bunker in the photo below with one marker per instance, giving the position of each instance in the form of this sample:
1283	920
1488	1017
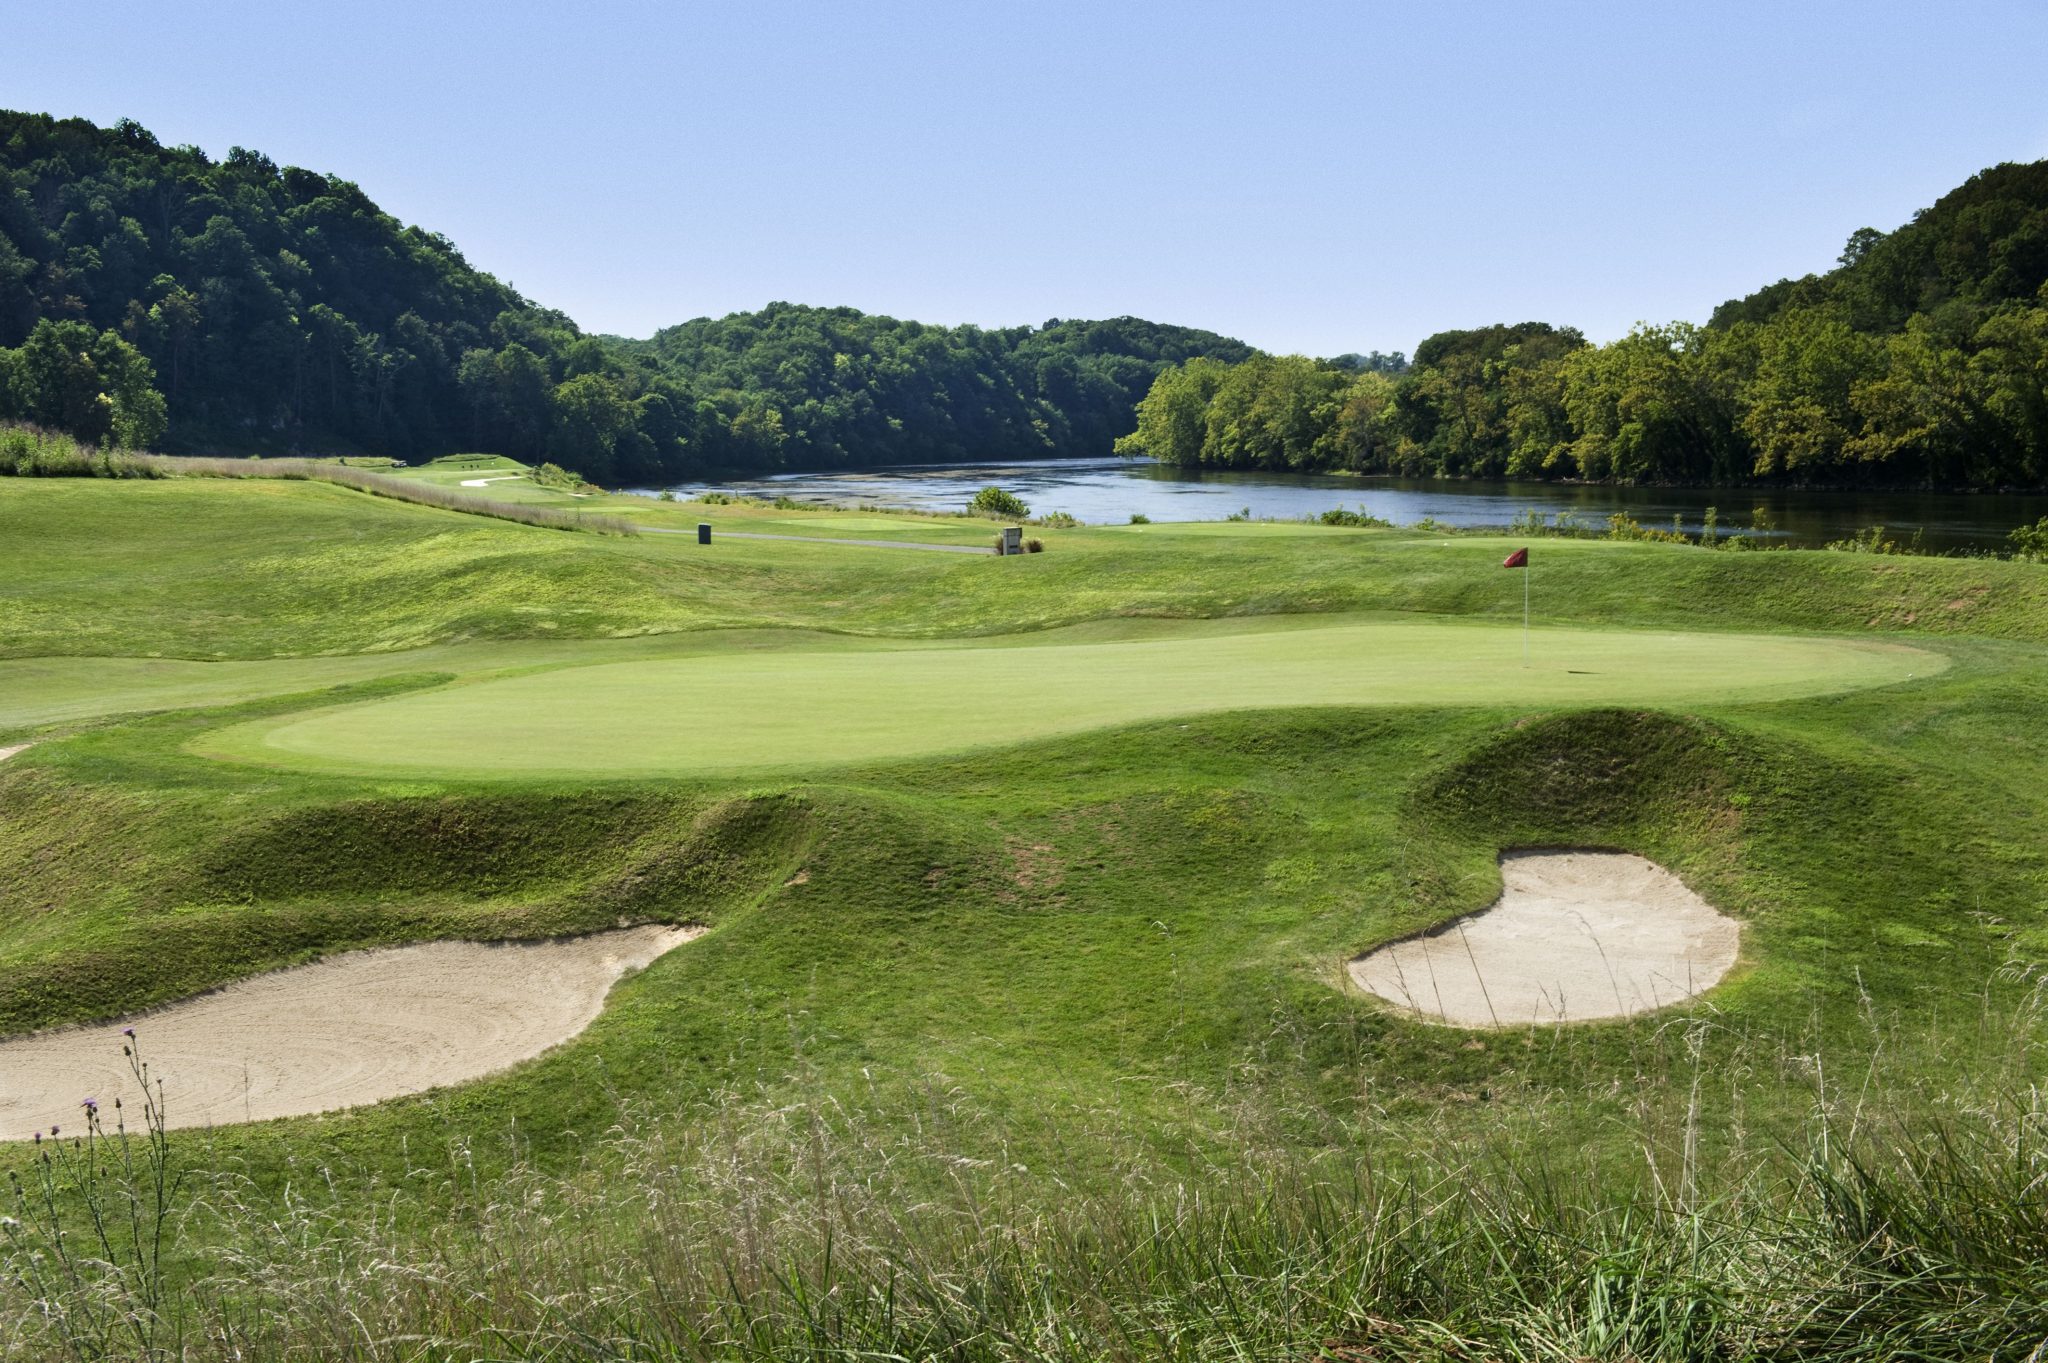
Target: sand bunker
7	751
356	1029
1573	936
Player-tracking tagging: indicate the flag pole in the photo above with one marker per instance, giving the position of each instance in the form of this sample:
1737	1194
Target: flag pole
1525	614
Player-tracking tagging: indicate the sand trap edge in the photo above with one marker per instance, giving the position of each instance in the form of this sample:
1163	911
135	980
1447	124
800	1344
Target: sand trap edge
1719	933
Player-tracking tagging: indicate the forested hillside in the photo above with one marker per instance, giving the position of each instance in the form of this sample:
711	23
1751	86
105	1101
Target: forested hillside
1921	360
150	293
806	387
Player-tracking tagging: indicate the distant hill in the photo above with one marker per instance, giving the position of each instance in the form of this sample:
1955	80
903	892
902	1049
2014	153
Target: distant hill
152	293
1981	245
273	303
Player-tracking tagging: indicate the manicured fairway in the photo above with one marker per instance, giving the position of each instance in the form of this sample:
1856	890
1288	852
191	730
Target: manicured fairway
822	702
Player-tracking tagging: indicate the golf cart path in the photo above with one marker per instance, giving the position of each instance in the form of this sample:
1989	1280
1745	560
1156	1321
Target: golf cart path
825	539
1574	936
357	1028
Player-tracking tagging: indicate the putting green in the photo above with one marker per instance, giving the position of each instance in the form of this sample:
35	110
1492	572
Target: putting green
821	701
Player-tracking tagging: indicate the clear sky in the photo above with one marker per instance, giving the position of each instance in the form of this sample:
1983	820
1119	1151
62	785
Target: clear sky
1312	177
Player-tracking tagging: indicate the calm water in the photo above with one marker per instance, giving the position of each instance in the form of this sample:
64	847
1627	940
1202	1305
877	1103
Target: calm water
1109	491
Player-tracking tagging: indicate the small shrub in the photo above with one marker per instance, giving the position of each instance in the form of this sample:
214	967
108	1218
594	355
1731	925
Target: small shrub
788	504
1057	520
1360	518
559	478
1140	518
1034	546
1241	514
993	501
1530	522
667	494
1622	526
2029	543
714	499
1874	541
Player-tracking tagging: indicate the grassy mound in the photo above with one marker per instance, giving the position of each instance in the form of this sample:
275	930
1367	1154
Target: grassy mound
1591	778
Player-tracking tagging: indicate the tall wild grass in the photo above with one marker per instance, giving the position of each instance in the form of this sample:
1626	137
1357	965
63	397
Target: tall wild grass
28	451
1892	1217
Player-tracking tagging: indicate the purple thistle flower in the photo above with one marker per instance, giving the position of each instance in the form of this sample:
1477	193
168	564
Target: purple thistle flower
53	1131
128	1031
91	1105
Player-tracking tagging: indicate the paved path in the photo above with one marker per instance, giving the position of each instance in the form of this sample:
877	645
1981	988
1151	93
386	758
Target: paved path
827	539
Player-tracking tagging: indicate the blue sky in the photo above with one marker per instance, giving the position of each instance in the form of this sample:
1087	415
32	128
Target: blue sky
1311	177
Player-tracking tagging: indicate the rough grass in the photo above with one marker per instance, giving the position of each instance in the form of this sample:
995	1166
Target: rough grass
983	1059
820	1229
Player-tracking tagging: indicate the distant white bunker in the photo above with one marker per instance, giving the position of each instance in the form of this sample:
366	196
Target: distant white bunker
1574	936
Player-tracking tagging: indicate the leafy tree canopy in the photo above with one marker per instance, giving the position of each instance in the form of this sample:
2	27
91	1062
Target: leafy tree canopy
1921	360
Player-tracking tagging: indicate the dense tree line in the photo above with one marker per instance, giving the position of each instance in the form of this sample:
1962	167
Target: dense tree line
1922	359
152	292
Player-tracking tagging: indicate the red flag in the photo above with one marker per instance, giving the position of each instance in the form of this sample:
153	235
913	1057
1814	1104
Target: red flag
1518	559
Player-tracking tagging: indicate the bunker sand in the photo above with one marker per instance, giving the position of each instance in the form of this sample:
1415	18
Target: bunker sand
357	1029
1573	937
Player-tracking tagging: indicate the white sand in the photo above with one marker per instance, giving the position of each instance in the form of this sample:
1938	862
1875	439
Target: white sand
356	1029
486	482
1574	936
7	752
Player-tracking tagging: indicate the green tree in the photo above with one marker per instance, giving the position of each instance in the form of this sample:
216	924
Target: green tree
95	386
993	501
1797	407
1173	417
592	419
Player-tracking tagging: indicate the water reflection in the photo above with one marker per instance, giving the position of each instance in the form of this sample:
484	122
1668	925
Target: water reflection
1111	491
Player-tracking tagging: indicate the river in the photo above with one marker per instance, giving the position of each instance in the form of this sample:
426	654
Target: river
1111	491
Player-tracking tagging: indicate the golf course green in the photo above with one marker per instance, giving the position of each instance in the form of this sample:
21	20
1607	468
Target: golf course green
823	701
